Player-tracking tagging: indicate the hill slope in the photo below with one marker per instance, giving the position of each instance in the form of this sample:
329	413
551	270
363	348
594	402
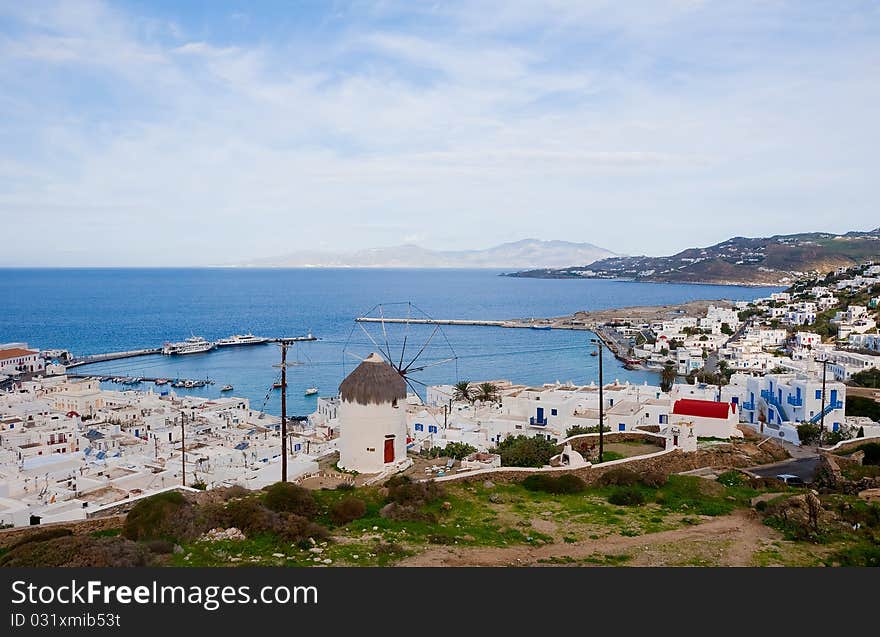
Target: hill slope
528	253
773	260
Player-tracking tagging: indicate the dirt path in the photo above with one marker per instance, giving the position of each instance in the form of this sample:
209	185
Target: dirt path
730	540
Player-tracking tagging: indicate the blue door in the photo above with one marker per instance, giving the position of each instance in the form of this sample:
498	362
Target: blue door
540	416
833	396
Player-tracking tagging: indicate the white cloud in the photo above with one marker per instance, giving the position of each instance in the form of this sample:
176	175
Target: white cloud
565	120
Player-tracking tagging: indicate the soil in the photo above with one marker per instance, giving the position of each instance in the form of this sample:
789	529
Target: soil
730	540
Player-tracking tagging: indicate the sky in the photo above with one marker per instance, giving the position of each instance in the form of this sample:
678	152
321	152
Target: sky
173	132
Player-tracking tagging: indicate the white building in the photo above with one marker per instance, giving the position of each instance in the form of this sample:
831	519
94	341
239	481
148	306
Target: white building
372	418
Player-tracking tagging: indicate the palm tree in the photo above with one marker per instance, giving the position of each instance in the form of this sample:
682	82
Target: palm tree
463	392
667	377
487	392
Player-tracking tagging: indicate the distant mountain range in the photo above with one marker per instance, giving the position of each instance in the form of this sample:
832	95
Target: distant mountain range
773	260
528	253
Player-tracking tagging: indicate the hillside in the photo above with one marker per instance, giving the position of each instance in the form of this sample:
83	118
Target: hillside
528	253
773	260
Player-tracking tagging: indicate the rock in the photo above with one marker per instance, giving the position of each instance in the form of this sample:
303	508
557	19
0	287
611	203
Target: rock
468	538
277	554
316	549
178	549
231	533
327	561
488	484
496	498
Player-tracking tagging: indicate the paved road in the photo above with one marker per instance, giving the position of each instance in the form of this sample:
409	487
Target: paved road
804	468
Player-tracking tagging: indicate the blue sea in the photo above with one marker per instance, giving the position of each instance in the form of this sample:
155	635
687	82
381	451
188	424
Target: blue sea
90	311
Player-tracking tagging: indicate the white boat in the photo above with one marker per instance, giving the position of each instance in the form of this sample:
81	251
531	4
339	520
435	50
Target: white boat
192	345
226	388
311	391
242	339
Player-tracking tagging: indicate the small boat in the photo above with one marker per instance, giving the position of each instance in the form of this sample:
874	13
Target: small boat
276	385
161	381
540	327
226	388
311	391
594	353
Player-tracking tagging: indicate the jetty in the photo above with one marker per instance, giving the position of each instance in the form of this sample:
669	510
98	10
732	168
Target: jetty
112	356
423	321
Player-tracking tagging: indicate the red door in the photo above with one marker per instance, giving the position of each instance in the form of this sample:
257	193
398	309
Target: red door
389	450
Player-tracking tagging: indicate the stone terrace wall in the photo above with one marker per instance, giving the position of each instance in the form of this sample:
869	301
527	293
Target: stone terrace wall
79	527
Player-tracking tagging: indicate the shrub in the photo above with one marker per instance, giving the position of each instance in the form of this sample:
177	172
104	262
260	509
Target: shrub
284	497
160	547
201	485
248	515
654	479
525	451
164	516
567	483
626	496
618	477
345	486
732	479
406	513
872	453
41	536
77	551
458	450
578	430
347	510
402	490
808	433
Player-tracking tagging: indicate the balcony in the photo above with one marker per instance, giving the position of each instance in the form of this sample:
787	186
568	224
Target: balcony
537	422
749	406
796	401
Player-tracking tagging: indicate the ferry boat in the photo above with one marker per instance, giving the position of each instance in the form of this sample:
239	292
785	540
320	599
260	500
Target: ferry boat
311	391
192	345
242	339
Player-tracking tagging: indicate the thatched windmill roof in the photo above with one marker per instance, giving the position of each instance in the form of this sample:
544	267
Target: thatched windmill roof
374	381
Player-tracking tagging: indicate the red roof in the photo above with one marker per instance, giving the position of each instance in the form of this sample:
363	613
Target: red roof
16	352
701	408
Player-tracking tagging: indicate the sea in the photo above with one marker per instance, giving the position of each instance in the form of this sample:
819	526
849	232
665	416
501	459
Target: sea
90	311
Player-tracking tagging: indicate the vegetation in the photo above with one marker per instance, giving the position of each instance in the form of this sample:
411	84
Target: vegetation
525	451
347	510
463	392
861	406
579	430
626	496
284	497
164	516
867	378
487	392
567	483
457	450
667	377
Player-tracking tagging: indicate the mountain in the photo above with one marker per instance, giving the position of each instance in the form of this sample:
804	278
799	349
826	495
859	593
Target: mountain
773	260
528	253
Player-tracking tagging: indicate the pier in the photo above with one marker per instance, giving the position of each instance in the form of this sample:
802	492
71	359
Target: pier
477	322
112	356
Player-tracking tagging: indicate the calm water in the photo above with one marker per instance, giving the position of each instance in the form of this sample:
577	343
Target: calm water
99	310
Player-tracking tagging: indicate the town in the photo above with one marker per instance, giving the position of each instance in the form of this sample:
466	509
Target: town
781	366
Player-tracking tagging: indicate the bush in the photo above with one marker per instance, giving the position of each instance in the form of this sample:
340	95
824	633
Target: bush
402	490
345	486
164	516
525	451
77	551
808	433
732	479
347	510
160	547
872	453
284	497
406	513
458	450
654	479
578	430
567	483
619	477
41	536
626	496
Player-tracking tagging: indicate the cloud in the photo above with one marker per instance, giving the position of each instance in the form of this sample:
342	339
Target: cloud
654	126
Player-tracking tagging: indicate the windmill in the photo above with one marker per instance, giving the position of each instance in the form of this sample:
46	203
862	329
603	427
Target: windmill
406	337
393	344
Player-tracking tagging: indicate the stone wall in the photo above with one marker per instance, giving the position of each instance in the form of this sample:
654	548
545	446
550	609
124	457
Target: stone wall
672	461
79	527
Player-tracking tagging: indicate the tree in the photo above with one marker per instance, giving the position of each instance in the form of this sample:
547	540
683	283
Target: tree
726	329
525	451
486	392
667	377
463	392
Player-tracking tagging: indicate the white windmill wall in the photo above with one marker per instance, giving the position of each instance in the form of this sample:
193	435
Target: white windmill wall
363	431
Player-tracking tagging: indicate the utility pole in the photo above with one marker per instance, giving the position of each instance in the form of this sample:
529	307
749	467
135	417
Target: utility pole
183	446
601	401
284	345
822	413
